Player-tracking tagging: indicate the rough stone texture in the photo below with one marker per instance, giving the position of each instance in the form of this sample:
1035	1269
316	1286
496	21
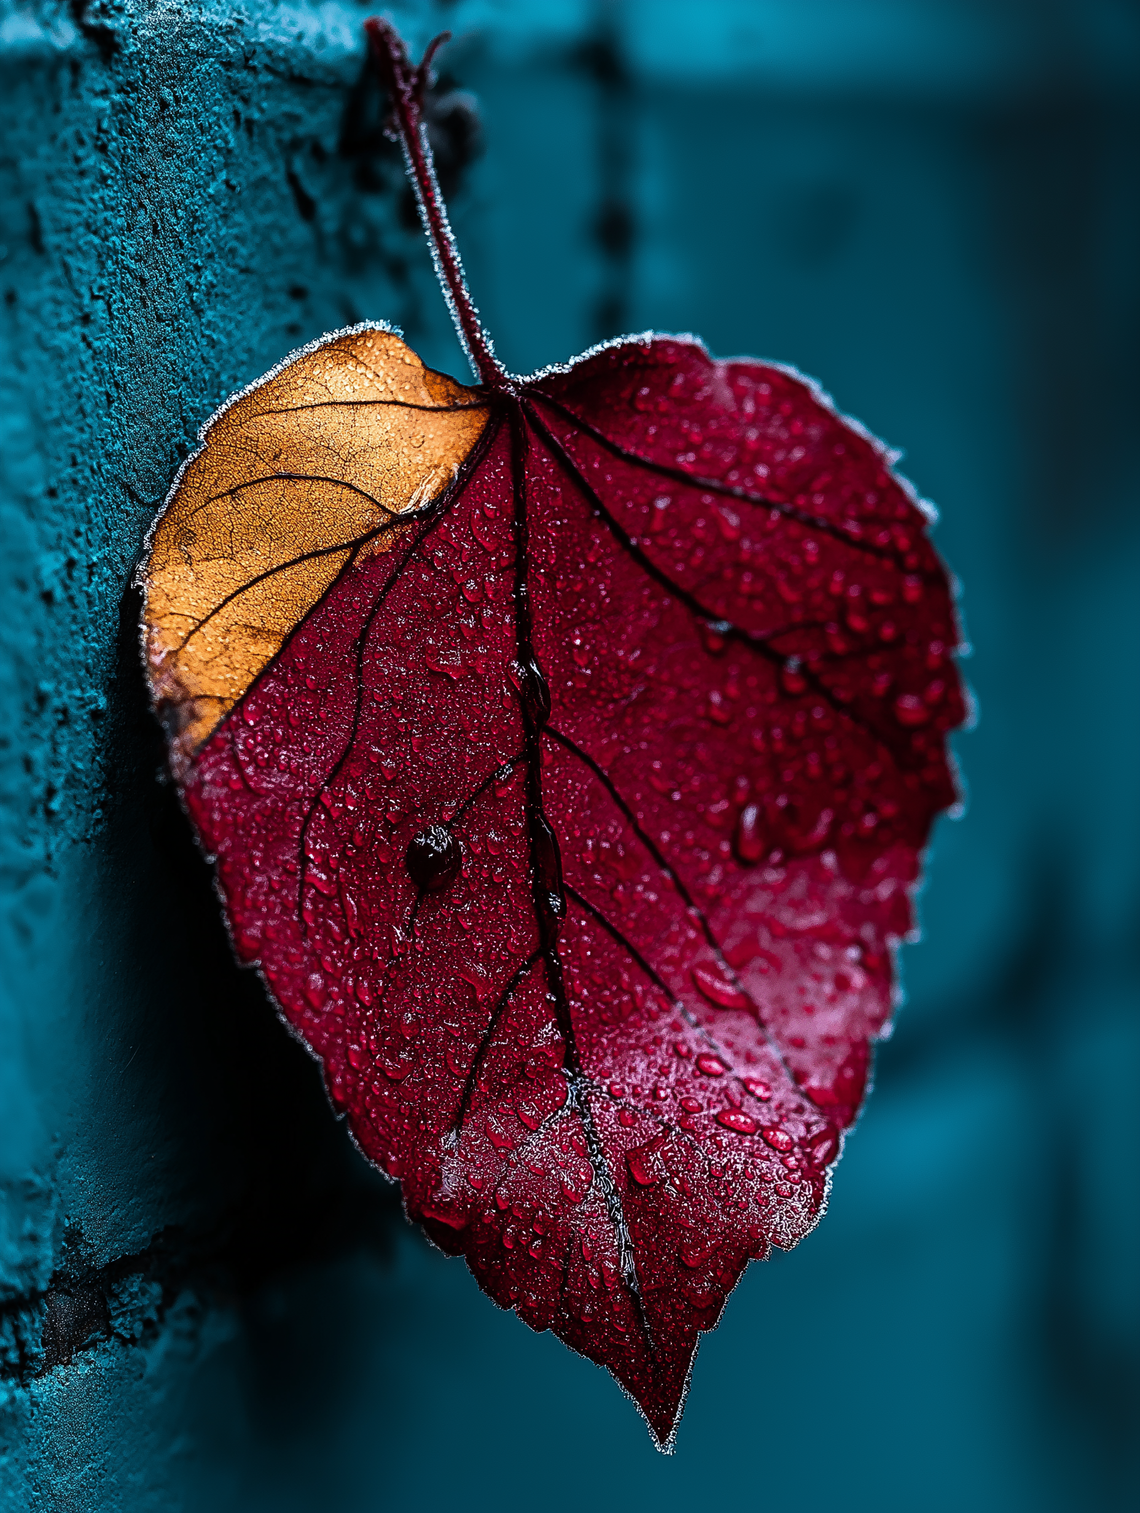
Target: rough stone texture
181	207
204	1299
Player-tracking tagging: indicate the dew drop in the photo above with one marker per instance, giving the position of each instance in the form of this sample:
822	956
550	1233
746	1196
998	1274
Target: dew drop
718	990
694	1256
536	692
715	634
644	1162
823	1147
757	1088
433	859
549	892
718	709
749	841
710	1065
734	1119
910	710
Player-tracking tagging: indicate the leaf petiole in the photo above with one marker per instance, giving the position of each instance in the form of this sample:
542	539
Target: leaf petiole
406	84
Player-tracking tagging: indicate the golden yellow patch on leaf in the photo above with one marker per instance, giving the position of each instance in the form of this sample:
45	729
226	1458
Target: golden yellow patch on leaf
301	476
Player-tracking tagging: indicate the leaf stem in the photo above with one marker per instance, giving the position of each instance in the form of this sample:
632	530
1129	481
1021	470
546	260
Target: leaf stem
406	84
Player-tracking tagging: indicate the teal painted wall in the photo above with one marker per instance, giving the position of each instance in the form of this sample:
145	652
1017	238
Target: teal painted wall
206	1300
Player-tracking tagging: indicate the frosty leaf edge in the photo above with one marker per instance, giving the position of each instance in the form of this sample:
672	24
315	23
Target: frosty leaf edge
567	747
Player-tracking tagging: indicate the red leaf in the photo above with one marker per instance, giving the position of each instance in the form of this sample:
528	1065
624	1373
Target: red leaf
567	747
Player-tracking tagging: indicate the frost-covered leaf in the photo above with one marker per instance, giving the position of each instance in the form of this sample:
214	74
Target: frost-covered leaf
567	747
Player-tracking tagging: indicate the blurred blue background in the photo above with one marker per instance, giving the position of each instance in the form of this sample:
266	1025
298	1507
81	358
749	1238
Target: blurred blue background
930	206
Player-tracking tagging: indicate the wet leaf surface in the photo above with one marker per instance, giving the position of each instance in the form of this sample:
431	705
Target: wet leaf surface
567	747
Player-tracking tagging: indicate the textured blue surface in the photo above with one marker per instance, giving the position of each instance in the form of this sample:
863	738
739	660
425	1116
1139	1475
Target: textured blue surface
206	1302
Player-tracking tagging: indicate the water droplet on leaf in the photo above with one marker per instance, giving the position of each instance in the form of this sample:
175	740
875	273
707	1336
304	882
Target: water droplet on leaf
710	1065
718	990
734	1119
433	859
